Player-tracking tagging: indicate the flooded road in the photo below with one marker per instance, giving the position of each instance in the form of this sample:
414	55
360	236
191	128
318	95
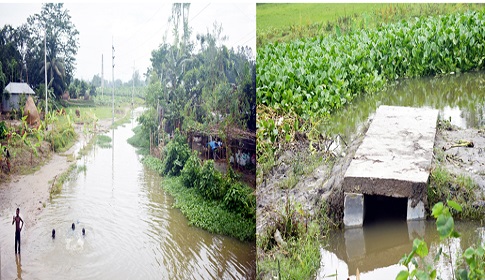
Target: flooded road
132	231
377	248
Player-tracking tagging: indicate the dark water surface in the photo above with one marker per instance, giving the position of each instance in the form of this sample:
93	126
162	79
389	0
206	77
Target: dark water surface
132	231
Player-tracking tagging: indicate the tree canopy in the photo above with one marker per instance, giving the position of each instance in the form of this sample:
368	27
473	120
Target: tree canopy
197	89
22	49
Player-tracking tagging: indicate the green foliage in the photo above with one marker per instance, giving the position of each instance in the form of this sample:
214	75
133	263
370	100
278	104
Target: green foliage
62	134
3	130
153	163
140	140
299	256
474	258
444	185
175	154
210	181
278	22
319	75
239	198
190	174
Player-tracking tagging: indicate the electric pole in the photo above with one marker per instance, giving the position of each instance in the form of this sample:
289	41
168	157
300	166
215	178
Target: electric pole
102	75
45	74
133	80
113	78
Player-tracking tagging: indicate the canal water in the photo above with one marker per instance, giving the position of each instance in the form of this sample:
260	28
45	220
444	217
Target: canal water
376	249
132	230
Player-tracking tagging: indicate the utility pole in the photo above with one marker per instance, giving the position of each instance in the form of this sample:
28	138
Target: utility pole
102	75
113	78
45	73
133	80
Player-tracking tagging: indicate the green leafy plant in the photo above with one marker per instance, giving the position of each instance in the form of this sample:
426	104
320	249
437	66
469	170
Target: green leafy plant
175	154
240	198
474	258
190	174
210	181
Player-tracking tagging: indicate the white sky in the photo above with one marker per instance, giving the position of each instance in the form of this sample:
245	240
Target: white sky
136	29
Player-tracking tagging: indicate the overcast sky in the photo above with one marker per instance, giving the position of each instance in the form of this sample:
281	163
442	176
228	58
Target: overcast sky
136	30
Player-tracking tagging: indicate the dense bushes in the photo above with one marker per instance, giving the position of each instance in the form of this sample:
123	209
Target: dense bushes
212	185
240	199
191	172
175	154
216	202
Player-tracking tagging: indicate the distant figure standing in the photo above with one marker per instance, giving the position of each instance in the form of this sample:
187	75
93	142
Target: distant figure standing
18	229
73	226
53	233
84	232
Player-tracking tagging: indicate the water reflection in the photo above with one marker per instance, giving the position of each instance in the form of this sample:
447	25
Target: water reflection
461	97
375	250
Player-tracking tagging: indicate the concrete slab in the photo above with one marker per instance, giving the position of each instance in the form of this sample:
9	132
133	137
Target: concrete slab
353	210
415	212
395	156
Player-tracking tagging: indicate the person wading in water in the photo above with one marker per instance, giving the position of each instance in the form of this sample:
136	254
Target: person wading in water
18	229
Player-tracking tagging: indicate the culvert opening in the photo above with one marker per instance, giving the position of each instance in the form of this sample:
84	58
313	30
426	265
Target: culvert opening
378	208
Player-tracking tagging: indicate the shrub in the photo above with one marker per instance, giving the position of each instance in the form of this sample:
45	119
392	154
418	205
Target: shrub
240	198
3	130
190	174
176	154
211	184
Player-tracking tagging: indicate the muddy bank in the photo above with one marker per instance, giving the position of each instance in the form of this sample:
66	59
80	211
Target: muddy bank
310	191
31	192
324	184
458	160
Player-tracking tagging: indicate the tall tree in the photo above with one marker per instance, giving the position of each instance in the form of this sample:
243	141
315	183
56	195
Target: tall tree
62	44
9	55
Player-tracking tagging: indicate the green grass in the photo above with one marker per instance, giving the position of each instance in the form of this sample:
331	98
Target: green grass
58	182
285	22
300	261
103	141
298	257
283	15
445	186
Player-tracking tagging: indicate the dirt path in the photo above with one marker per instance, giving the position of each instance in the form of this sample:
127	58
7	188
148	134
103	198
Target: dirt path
31	192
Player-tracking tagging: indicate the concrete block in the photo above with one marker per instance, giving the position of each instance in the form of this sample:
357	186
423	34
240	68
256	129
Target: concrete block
415	213
353	210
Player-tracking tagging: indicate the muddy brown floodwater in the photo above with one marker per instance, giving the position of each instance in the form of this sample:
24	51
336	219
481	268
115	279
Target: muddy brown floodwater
132	230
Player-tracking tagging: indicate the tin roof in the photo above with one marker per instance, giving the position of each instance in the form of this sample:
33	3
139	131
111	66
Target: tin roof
19	88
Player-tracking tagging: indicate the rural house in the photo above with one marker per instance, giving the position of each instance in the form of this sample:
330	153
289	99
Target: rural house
11	95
